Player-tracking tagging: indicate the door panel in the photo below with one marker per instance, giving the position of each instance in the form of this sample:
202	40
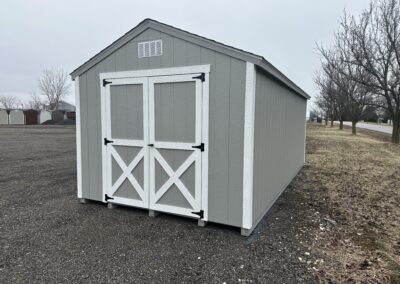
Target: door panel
174	109
175	127
127	153
126	111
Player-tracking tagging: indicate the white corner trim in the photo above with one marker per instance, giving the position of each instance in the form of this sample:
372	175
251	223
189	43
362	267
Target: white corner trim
78	138
157	72
248	151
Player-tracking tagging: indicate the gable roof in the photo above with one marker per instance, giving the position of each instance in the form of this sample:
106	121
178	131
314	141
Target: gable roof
258	60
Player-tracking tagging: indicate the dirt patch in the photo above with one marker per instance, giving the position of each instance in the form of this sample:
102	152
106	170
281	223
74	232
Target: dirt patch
358	180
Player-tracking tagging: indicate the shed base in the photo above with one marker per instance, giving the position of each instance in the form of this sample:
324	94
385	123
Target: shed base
201	223
111	205
153	213
83	200
246	232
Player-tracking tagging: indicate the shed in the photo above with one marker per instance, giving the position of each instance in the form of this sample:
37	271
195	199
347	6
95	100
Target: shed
16	116
3	116
174	122
44	116
31	117
57	115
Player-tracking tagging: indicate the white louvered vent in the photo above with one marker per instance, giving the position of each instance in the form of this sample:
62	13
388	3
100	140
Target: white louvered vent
150	48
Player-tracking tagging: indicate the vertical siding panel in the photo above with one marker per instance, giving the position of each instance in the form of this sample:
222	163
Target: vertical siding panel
219	129
83	100
94	139
131	55
279	116
236	132
167	59
192	54
179	52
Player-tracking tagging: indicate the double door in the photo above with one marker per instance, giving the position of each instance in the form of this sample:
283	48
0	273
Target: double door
153	142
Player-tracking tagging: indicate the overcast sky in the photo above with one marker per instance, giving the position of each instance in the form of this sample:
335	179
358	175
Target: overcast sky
63	34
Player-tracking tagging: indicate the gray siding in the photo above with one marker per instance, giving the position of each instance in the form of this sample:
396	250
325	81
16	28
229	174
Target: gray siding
227	89
278	141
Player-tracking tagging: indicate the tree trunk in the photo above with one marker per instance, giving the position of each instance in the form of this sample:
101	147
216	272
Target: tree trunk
326	121
341	124
332	122
396	130
354	127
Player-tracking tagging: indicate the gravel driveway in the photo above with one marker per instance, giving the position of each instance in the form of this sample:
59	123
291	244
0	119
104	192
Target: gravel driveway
47	236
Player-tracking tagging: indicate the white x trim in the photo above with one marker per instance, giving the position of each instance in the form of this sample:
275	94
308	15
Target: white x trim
174	178
127	172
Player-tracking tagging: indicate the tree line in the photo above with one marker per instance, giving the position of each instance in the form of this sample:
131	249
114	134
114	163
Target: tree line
53	85
360	71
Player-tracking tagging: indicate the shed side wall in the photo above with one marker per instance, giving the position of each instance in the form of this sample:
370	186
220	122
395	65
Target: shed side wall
279	141
227	89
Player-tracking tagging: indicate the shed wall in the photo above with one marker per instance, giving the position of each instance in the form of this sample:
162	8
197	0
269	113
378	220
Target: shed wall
279	141
16	117
227	90
3	116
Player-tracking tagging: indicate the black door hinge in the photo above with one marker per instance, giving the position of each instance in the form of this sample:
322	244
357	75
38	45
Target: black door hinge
106	197
200	213
202	77
201	147
106	141
105	82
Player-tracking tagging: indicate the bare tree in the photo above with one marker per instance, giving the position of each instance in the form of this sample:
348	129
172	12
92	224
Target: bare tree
54	85
370	45
8	102
36	102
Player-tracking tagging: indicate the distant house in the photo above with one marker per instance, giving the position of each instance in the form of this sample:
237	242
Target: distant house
62	105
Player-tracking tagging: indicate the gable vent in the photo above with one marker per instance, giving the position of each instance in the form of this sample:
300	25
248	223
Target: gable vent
150	48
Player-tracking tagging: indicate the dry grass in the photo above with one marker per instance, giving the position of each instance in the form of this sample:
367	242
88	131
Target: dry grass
354	181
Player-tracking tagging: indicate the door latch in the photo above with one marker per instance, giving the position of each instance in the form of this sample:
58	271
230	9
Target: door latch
106	141
150	145
201	147
200	214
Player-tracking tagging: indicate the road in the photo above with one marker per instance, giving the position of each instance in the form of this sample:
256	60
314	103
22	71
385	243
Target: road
380	128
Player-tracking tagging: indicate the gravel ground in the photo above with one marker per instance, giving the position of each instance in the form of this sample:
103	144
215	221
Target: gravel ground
47	236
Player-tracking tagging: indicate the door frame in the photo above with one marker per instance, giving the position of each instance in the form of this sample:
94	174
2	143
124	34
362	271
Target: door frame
196	69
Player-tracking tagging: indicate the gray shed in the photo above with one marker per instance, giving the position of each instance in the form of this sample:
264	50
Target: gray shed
16	116
3	116
174	122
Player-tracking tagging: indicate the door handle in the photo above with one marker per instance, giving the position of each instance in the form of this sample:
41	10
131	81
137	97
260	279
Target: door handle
150	145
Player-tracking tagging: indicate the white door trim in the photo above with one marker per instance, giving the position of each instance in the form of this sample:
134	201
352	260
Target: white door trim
78	138
202	132
109	152
248	151
157	72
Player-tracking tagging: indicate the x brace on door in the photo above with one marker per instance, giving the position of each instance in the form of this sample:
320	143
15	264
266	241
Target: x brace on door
127	172
174	177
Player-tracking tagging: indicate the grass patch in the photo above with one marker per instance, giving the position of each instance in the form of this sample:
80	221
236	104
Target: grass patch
356	181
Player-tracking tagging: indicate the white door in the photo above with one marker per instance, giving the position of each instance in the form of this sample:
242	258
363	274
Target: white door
155	131
175	120
126	139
